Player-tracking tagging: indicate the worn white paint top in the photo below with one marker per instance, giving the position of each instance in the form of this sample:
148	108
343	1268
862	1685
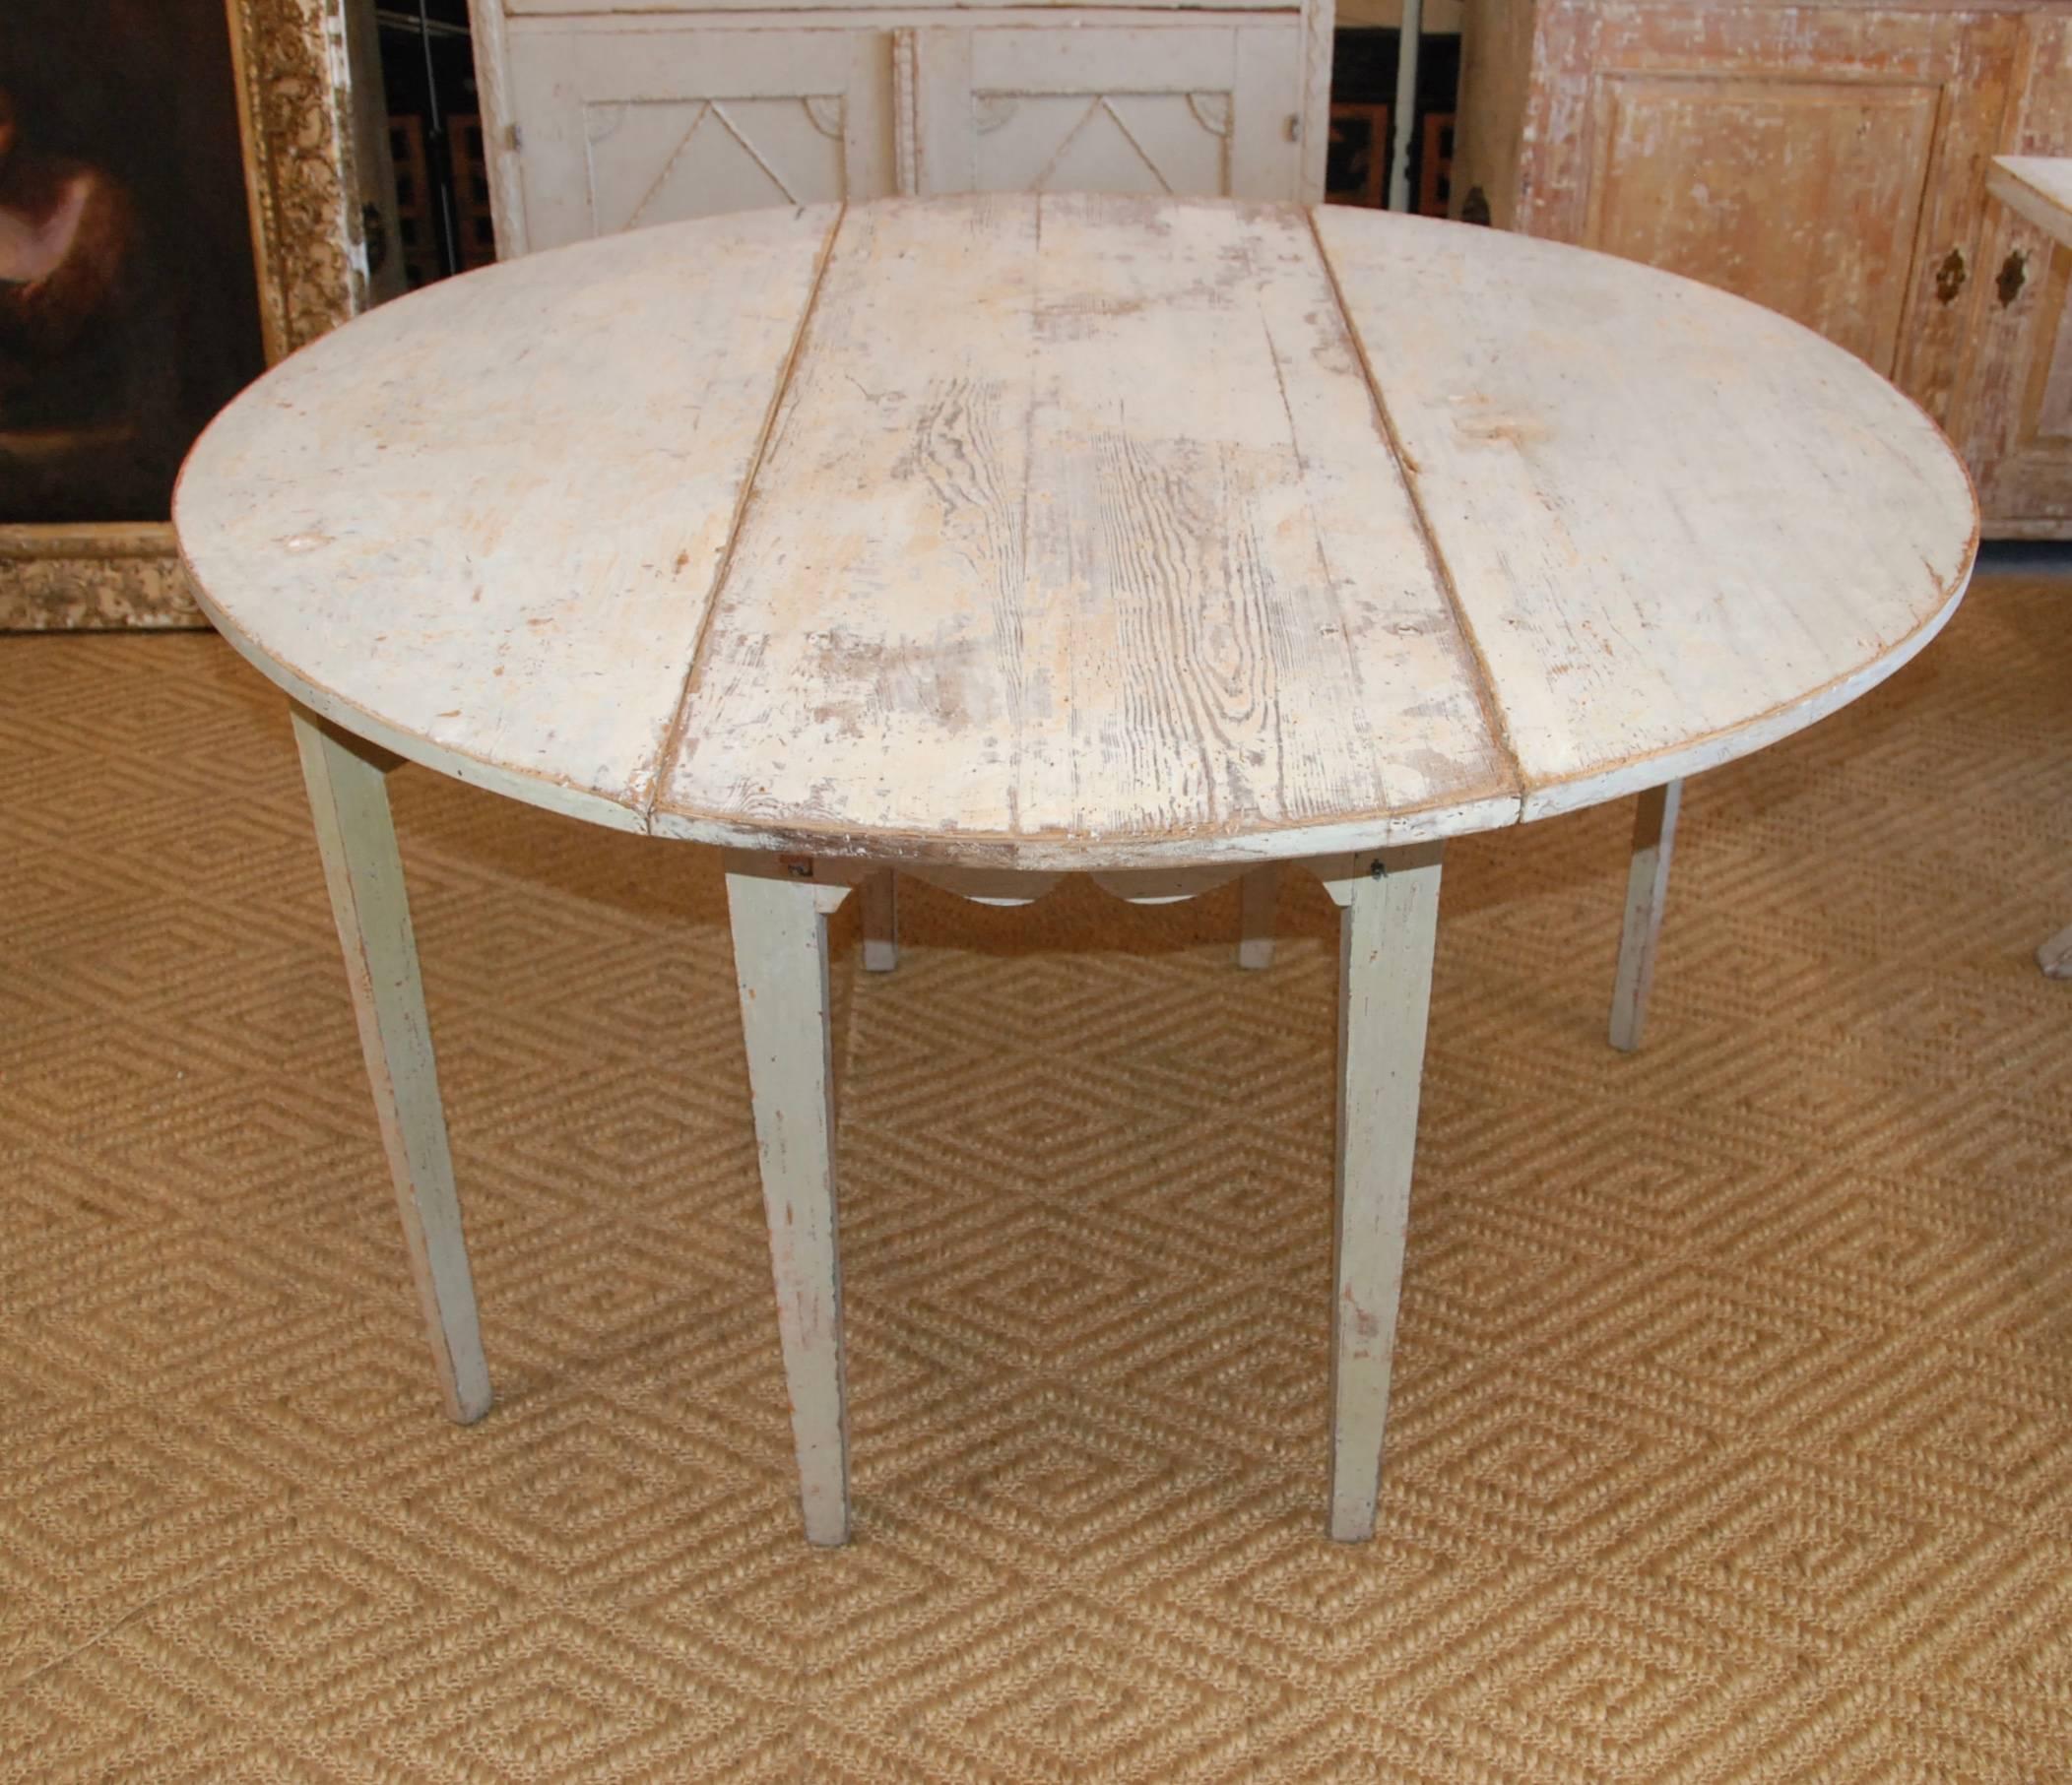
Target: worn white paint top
2039	187
1073	532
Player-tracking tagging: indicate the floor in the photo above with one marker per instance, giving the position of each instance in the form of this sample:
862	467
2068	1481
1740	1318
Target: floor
1733	1424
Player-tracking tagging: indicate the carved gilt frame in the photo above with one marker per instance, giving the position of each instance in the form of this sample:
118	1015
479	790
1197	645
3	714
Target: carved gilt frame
293	114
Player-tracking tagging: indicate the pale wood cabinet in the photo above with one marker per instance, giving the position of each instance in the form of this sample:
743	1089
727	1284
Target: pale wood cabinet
1827	160
599	118
2014	416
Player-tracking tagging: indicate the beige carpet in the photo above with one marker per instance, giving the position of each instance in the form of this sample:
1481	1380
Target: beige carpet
1733	1423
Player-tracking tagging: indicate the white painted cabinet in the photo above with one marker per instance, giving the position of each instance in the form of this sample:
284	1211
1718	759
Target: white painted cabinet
1199	109
620	128
600	119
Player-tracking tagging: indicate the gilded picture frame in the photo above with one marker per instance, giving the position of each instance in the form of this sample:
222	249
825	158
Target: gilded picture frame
295	120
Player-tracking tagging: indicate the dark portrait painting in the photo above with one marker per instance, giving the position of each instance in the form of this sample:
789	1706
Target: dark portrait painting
129	310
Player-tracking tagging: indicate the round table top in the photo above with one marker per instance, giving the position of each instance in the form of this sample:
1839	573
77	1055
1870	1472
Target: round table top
1073	532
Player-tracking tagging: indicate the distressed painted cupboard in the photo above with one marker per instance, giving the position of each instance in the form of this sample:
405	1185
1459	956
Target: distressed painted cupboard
1827	159
602	116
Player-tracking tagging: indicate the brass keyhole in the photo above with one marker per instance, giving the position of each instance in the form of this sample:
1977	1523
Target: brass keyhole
1950	276
2013	271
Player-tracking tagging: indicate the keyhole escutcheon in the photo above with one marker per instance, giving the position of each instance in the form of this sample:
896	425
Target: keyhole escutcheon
1950	276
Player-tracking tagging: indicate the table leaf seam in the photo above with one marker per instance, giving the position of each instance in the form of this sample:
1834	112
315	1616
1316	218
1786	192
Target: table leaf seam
680	715
1494	721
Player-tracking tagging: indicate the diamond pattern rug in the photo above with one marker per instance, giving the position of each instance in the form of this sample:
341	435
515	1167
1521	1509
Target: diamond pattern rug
1732	1435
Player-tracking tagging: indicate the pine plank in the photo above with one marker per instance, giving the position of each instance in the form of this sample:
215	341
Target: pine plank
480	526
1679	526
1074	533
1076	539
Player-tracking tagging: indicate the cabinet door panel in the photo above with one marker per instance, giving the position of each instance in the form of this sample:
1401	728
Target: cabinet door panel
620	129
1827	160
1189	109
2047	411
1692	173
2015	425
2012	420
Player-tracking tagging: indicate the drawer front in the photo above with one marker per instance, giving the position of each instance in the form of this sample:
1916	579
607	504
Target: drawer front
1195	108
618	129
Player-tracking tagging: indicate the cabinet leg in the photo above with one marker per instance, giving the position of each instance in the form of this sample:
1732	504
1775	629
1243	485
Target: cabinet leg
349	801
881	921
780	959
1387	922
1258	893
1646	891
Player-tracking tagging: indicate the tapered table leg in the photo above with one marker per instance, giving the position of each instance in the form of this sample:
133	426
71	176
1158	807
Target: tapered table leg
780	959
881	921
349	801
1258	893
1387	922
1647	892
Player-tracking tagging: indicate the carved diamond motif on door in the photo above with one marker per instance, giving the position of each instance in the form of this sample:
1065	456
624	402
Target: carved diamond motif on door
658	160
1136	142
1190	109
659	124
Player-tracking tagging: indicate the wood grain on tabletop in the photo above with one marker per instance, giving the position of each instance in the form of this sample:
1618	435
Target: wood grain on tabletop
1109	546
1069	532
483	523
1680	526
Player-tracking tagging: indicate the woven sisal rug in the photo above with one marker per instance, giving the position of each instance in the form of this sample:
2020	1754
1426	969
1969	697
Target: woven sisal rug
1732	1435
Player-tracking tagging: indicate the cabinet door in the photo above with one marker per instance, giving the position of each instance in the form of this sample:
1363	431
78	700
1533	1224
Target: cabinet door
623	127
1826	161
2012	417
1189	109
1805	195
2014	425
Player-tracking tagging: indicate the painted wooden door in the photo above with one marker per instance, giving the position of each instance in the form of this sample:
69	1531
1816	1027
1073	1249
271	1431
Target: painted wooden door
627	127
1827	161
2013	417
1194	108
1805	195
2015	424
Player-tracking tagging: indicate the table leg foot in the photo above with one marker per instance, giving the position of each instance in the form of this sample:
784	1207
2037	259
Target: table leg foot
1388	924
881	921
1258	893
363	871
2054	957
780	959
1647	892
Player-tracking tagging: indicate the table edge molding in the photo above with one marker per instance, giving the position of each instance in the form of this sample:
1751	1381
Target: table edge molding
1549	796
546	792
